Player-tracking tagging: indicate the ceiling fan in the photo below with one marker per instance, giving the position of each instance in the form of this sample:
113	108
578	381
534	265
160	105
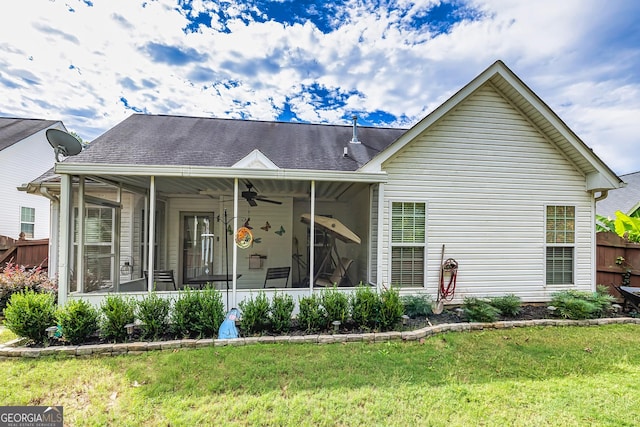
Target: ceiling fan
251	196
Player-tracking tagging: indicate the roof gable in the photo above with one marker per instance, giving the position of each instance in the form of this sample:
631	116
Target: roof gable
14	130
255	160
598	175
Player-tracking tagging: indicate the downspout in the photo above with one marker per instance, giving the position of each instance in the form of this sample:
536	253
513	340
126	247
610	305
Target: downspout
594	249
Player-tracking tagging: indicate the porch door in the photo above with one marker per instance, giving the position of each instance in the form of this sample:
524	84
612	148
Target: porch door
197	245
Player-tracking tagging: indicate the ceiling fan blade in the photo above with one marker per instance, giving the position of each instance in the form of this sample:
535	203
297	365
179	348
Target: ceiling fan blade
252	202
262	199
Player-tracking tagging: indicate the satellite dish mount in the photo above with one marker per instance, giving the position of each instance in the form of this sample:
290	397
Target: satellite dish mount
63	143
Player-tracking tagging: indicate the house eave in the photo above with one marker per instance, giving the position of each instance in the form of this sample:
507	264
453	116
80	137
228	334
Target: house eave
181	171
600	181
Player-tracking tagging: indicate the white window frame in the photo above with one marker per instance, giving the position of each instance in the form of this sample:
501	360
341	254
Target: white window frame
571	245
23	222
393	244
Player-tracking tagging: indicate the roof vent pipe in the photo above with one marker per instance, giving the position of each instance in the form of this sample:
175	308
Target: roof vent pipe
354	139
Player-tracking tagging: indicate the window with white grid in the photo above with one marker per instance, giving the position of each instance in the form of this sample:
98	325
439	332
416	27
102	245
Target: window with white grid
408	241
27	221
560	241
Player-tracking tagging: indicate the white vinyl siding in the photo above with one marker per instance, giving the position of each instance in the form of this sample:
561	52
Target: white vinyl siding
488	175
19	164
560	239
408	241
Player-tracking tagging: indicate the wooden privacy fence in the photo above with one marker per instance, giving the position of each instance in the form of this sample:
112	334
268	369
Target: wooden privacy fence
610	248
28	253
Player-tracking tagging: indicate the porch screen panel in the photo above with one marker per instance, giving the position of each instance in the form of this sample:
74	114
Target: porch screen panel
408	240
373	273
98	247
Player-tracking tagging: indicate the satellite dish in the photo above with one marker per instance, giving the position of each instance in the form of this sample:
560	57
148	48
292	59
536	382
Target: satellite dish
63	143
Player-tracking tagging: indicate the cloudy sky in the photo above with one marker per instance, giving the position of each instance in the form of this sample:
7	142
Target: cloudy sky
93	63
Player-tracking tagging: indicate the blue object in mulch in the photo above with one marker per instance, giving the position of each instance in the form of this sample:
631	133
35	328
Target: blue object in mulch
228	328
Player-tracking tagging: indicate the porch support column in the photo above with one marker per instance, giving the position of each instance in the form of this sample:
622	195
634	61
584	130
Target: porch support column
312	236
380	242
81	223
117	242
151	224
234	268
145	232
65	238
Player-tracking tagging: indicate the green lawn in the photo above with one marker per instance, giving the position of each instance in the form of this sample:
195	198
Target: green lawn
561	376
6	335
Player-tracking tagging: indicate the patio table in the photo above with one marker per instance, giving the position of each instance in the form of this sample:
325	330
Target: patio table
200	281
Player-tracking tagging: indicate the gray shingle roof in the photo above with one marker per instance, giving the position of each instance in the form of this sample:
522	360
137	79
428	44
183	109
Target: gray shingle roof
192	141
13	130
622	199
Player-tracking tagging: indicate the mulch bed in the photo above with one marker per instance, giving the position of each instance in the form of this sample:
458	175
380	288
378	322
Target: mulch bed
448	316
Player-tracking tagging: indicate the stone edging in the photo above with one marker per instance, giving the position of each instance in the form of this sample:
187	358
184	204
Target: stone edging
9	350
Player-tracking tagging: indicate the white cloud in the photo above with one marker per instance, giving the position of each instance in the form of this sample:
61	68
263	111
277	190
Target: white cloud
571	53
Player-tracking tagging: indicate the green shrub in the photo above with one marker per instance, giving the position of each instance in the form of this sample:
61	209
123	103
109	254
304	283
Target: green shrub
282	306
78	320
312	316
336	305
255	314
417	305
184	316
28	314
198	314
391	309
365	306
153	312
573	304
210	313
117	311
479	310
509	305
15	278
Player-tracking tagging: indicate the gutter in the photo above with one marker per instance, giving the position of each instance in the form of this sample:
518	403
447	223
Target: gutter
603	195
39	190
45	192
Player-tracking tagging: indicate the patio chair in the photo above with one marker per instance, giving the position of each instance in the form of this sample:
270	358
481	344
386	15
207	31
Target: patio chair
274	273
338	276
162	276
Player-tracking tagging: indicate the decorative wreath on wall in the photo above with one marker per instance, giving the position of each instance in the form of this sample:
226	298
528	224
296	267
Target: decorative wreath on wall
244	237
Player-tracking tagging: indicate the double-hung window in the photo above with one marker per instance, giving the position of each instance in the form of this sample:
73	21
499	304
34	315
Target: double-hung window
27	221
408	242
560	242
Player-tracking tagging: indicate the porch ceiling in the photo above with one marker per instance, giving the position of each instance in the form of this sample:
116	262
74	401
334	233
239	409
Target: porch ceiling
216	187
